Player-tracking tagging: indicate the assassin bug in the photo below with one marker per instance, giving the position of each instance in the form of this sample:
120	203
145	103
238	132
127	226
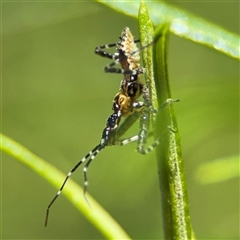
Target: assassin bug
125	104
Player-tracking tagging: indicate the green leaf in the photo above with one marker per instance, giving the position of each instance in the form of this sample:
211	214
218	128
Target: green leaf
99	217
184	24
218	170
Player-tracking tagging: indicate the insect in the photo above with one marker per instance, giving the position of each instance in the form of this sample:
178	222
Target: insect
125	104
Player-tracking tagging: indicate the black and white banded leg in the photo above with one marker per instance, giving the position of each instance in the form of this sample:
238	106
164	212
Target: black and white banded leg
143	134
112	124
117	58
90	154
144	125
99	50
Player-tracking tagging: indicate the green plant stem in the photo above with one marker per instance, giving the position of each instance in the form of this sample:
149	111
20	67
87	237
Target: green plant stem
175	213
146	32
99	217
175	209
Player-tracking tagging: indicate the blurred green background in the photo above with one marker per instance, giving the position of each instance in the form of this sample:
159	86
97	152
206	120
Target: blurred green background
56	99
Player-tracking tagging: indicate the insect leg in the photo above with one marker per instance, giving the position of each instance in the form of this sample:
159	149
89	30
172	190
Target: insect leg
168	102
100	52
144	125
100	147
128	122
68	175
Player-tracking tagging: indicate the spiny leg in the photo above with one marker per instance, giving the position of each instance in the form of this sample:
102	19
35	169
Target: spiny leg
112	56
111	126
143	133
100	52
168	102
128	122
144	125
67	177
85	169
116	59
142	47
112	121
129	140
142	137
110	68
138	106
